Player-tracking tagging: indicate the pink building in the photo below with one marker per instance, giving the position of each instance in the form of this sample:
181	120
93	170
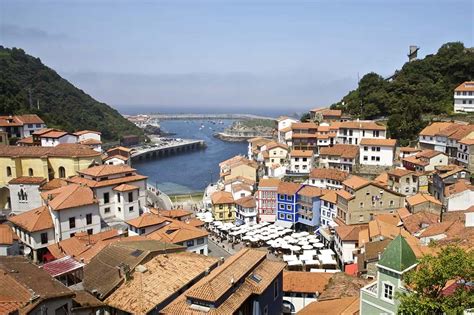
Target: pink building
266	197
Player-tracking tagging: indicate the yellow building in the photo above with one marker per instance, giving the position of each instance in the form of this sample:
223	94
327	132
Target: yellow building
61	161
238	166
223	206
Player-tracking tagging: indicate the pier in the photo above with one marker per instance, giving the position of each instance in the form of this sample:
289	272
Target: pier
166	148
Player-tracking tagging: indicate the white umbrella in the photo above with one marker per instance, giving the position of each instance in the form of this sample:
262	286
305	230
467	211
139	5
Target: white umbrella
303	243
287	237
254	239
307	247
304	233
276	245
295	248
318	245
270	242
247	238
285	246
312	236
251	233
295	235
288	230
313	240
295	263
273	235
291	240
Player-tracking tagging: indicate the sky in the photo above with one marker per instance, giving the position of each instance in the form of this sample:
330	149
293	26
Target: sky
228	56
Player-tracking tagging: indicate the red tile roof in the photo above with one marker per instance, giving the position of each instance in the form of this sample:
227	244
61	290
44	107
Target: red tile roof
70	196
105	170
329	173
35	220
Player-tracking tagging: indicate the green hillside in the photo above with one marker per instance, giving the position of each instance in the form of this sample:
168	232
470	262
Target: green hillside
25	81
421	90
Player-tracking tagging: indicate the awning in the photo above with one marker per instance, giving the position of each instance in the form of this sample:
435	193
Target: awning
285	224
62	266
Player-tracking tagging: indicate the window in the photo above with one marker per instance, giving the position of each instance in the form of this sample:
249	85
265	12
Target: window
130	196
200	241
130	209
72	222
9	171
221	215
142	231
288	207
275	289
44	238
391	202
388	291
119	197
107	210
106	198
89	218
365	158
30	172
289	217
190	243
265	310
281	216
366	148
282	206
62	172
361	217
361	205
119	209
90	231
377	158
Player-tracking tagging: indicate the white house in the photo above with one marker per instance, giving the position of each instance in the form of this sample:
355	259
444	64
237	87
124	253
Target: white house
328	209
327	178
116	160
377	152
340	156
35	229
352	132
25	193
301	161
120	191
346	241
146	223
182	233
464	97
90	138
240	191
284	124
461	198
21	126
53	137
246	210
73	209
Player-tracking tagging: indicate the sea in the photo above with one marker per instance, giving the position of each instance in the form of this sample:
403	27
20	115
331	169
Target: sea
191	172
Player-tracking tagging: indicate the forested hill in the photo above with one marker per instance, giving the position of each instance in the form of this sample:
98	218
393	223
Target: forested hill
421	89
25	81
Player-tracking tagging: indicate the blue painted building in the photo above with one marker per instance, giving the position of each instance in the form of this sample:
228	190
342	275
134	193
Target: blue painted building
286	211
308	208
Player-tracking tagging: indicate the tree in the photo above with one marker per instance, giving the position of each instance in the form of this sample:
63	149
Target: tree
427	281
305	117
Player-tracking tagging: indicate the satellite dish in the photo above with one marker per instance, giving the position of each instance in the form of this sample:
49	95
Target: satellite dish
26	251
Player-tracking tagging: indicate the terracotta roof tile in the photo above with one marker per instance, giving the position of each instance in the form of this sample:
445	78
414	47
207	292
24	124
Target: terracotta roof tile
25	180
409	149
349	232
269	182
378	142
246	202
53	184
7	236
355	182
311	191
362	125
305	282
173	214
301	153
177	232
288	188
222	197
342	150
105	170
433	128
126	187
421	198
54	134
165	276
148	219
342	306
61	150
382	179
108	182
465	86
416	222
344	194
330	196
84	132
35	220
70	196
457	188
30	119
399	172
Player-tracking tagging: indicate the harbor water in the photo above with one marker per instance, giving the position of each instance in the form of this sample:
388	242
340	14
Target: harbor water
191	171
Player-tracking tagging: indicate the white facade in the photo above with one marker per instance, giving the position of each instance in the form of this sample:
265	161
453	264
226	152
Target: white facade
354	136
115	204
133	231
115	161
24	197
337	162
283	124
34	239
88	136
52	142
328	213
28	129
197	245
301	164
247	215
324	183
68	222
464	100
344	250
460	201
299	301
376	155
240	192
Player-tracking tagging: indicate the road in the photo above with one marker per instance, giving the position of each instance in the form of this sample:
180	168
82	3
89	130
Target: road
216	250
